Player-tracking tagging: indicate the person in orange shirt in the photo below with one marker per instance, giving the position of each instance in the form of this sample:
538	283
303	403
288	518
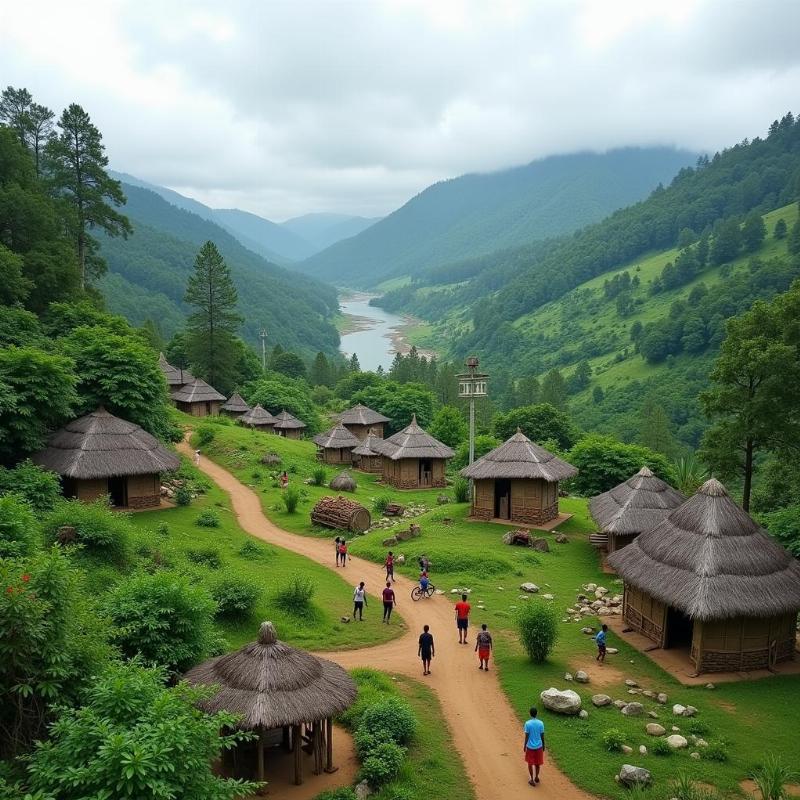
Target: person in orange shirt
462	619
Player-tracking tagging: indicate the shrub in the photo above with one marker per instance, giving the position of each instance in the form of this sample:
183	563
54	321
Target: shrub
151	551
381	503
235	597
660	747
366	741
162	529
18	527
205	556
291	497
205	435
102	532
372	687
319	476
42	489
717	750
699	728
208	519
392	716
461	490
537	624
382	764
163	618
772	777
295	596
613	739
483	444
183	496
253	551
342	793
538	422
784	525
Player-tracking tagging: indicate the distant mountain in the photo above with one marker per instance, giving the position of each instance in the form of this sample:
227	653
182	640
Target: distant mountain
148	273
263	236
480	213
323	230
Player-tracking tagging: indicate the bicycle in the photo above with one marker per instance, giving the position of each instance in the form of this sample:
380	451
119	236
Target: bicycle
418	592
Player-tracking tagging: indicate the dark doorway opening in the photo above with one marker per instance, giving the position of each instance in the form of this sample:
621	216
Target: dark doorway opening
502	499
425	472
680	630
118	491
209	408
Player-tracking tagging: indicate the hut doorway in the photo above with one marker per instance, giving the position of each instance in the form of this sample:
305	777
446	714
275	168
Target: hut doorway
680	630
502	498
425	472
118	491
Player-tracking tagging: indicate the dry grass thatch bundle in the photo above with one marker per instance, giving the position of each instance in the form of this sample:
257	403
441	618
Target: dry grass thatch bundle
343	482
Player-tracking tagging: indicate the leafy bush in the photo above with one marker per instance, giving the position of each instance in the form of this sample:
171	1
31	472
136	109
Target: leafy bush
162	529
366	741
461	490
343	792
699	728
124	737
208	519
151	551
291	497
392	716
205	556
537	624
483	444
373	686
319	476
205	435
163	618
102	532
183	495
382	764
253	551
18	527
538	422
613	739
784	525
381	503
717	750
295	597
41	488
660	747
236	597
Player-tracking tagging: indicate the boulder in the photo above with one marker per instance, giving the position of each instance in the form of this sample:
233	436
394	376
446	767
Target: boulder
530	588
654	729
540	545
678	709
588	630
695	756
604	611
568	676
662	698
634	776
642	750
620	704
590	587
587	612
627	749
390	542
652	715
561	538
600	591
633	710
601	700
583	714
596	605
561	702
689	711
581	676
631	682
677	742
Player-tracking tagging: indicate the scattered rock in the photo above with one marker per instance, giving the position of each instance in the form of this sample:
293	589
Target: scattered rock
345	619
561	702
627	749
652	715
701	743
675	729
677	742
540	545
710	686
390	542
633	710
590	587
620	704
648	693
695	756
586	612
611	651
642	750
634	691
600	591
662	698
455	591
678	709
568	676
438	591
654	729
561	538
634	776
631	682
362	791
548	597
583	714
596	605
442	500
581	676
401	559
601	700
530	588
588	630
689	711
604	611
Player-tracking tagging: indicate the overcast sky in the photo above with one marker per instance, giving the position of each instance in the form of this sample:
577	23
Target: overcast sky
283	108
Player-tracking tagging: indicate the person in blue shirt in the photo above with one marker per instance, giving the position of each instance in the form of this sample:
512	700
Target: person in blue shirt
533	746
601	644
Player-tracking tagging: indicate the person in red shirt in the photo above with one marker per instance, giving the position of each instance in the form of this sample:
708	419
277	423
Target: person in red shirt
389	602
389	564
462	619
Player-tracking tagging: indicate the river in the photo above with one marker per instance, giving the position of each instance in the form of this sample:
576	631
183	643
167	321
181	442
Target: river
373	334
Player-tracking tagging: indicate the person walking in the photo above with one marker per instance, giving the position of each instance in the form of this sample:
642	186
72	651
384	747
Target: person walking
359	601
600	639
389	564
337	542
343	551
462	618
389	602
483	647
284	480
533	746
427	649
197	458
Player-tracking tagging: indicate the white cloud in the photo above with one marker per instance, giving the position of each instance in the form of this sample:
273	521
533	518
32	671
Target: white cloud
287	107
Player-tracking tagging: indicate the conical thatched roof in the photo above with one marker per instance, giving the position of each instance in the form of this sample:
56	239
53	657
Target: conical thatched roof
368	447
270	684
100	445
519	457
174	375
236	404
412	442
343	482
196	391
361	415
257	417
287	422
337	437
636	505
709	559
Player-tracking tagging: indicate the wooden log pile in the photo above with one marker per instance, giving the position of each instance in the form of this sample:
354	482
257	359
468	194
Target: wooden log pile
341	514
394	510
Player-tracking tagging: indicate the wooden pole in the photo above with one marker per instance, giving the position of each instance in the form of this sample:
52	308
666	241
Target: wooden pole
317	746
329	745
260	754
298	754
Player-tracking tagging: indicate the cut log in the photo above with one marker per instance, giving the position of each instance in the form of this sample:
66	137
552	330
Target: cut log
341	514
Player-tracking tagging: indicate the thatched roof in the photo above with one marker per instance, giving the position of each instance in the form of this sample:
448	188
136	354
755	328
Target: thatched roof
337	437
361	415
709	559
269	684
257	417
519	457
636	505
196	391
411	442
236	404
100	445
175	375
343	482
287	422
368	446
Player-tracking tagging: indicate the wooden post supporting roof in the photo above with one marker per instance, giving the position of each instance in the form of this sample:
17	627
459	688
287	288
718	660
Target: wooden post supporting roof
329	746
297	741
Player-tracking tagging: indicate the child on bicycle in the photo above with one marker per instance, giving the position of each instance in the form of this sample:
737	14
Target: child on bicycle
423	581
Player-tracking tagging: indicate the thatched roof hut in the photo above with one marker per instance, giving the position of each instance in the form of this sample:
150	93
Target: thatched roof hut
235	406
517	482
343	482
335	446
413	459
361	421
175	376
636	505
198	398
258	417
272	685
288	426
100	454
709	577
366	457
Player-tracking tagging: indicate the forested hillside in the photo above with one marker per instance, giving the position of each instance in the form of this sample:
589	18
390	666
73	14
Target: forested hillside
147	276
325	229
480	213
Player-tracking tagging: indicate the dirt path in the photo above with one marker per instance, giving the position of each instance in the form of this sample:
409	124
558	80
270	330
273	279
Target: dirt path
486	732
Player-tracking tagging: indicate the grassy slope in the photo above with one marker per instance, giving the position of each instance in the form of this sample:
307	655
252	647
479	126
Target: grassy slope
755	717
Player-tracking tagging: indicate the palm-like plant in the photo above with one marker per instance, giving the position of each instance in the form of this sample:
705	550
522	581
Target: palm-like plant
689	474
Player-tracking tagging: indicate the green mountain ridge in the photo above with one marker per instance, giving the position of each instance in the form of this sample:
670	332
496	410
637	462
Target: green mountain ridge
480	213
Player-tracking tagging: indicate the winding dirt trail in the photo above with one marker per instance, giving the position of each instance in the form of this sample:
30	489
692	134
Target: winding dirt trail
485	731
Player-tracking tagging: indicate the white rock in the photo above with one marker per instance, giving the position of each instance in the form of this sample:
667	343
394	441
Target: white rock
620	704
633	710
362	791
581	676
675	729
654	729
701	743
652	715
548	597
627	749
601	700
642	750
590	587
501	588
689	711
529	587
604	612
710	686
561	702
600	591
438	591
587	612
662	698
630	682
695	756
583	714
678	709
568	676
611	651
677	742
634	776
455	591
588	630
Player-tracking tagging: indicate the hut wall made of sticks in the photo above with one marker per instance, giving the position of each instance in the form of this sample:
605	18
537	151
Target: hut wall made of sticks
414	473
527	501
372	464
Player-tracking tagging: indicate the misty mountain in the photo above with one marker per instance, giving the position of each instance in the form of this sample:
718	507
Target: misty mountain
323	230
